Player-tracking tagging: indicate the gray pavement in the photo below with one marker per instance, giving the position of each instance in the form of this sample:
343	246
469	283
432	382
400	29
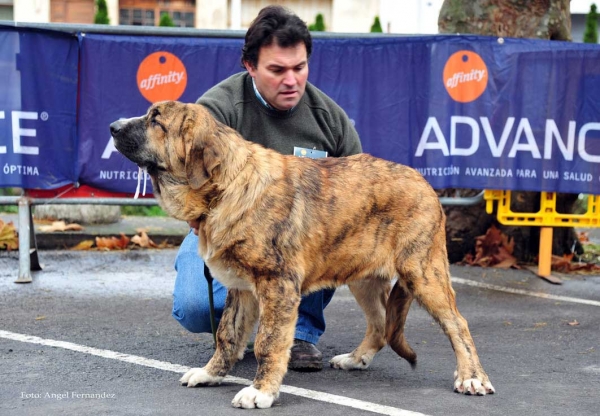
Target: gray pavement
541	354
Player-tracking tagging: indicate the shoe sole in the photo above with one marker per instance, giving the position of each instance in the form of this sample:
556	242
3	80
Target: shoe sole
306	367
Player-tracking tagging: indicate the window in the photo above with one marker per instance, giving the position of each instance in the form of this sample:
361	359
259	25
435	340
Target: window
180	19
189	20
149	17
6	12
136	17
148	12
124	16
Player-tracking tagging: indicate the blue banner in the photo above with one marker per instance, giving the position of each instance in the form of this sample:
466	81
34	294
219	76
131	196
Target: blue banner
466	111
472	111
121	76
38	104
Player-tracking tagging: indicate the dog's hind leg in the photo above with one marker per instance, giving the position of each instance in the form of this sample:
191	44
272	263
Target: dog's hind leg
372	296
278	298
235	327
432	289
397	308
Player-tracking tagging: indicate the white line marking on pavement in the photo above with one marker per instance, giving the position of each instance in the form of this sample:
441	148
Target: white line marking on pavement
467	282
592	369
176	368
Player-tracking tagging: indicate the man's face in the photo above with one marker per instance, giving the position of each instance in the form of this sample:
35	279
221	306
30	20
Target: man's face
281	74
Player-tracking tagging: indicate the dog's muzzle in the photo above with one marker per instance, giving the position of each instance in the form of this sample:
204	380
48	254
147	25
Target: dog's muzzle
116	127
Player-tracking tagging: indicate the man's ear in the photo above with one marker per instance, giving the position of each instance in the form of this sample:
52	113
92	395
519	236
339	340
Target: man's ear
201	155
251	69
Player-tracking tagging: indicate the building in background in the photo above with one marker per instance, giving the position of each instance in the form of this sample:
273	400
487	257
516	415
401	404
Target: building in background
6	10
349	16
579	12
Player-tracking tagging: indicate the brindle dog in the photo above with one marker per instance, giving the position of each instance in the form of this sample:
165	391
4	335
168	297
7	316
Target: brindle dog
274	227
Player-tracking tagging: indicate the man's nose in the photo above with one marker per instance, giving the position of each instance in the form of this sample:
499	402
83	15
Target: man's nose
289	78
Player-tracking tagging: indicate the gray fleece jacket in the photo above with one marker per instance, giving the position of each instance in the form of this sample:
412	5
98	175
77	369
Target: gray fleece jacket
316	122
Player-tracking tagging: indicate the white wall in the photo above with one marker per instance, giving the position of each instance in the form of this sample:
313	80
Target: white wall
582	6
37	11
113	11
354	15
211	14
410	16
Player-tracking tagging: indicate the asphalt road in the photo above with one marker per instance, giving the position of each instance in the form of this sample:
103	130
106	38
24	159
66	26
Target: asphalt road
542	354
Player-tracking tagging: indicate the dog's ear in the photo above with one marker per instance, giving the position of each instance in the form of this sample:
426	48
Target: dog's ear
201	153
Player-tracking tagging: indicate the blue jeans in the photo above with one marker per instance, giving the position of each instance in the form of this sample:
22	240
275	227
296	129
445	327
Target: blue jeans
190	297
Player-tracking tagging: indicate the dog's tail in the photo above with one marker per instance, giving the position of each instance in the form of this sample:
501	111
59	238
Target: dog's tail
395	317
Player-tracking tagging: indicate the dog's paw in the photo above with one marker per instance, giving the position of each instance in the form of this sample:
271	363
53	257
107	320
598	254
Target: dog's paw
199	377
349	362
250	398
472	386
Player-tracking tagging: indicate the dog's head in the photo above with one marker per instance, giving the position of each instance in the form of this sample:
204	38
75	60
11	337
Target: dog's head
173	139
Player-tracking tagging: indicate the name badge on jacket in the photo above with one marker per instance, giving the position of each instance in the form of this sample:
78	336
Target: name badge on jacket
310	153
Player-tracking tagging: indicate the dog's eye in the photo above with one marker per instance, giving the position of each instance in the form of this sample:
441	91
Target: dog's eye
153	168
155	123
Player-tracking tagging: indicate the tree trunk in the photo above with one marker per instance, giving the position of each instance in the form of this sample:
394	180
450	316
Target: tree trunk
542	19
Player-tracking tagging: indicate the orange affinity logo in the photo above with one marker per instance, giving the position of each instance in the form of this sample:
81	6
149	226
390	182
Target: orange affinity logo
465	76
161	76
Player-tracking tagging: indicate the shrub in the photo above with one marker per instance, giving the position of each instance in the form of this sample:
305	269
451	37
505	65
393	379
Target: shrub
591	26
165	20
101	17
376	28
319	25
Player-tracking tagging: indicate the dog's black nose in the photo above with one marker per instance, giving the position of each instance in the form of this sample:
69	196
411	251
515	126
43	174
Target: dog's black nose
115	128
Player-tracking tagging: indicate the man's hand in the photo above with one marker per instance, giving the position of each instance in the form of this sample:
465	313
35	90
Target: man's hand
194	224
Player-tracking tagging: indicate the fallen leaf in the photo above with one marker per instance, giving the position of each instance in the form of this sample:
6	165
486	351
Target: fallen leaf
84	245
60	226
565	264
494	249
103	243
584	236
55	226
574	323
123	241
9	239
40	318
165	244
143	240
112	243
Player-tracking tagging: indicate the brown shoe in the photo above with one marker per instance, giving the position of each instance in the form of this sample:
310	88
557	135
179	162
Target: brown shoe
305	357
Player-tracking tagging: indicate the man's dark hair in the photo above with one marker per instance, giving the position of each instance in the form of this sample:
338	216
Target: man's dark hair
274	23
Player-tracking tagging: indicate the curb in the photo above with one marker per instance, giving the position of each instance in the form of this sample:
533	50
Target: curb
159	230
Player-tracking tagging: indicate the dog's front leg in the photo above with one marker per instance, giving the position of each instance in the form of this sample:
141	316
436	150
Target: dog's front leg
239	316
278	299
